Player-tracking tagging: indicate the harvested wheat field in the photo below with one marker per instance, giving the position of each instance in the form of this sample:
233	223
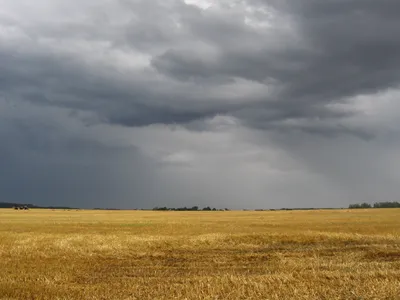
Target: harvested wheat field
321	254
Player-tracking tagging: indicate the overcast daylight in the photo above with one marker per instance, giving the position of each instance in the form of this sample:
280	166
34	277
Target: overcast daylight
227	103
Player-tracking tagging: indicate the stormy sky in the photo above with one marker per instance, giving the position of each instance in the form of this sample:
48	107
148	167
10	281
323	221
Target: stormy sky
227	103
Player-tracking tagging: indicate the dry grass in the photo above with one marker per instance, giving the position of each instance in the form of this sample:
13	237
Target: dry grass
336	254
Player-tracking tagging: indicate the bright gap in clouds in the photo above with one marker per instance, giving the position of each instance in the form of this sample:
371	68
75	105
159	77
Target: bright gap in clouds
203	4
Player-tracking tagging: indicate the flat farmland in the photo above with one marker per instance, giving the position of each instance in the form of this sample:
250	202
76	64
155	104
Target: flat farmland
84	254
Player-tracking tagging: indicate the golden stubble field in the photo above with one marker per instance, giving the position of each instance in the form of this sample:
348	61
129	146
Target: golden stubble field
325	254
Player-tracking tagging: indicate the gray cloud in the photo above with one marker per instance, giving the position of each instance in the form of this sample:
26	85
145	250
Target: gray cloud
304	54
95	95
322	52
47	158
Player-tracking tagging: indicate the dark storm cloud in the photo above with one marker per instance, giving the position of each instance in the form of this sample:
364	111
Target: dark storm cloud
311	54
354	45
85	92
330	50
126	99
43	161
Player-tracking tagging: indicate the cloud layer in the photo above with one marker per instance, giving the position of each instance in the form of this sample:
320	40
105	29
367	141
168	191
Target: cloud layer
245	103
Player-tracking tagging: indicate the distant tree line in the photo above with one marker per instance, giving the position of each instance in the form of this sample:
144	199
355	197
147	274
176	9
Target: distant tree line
376	205
19	205
387	205
196	208
14	205
193	208
361	205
